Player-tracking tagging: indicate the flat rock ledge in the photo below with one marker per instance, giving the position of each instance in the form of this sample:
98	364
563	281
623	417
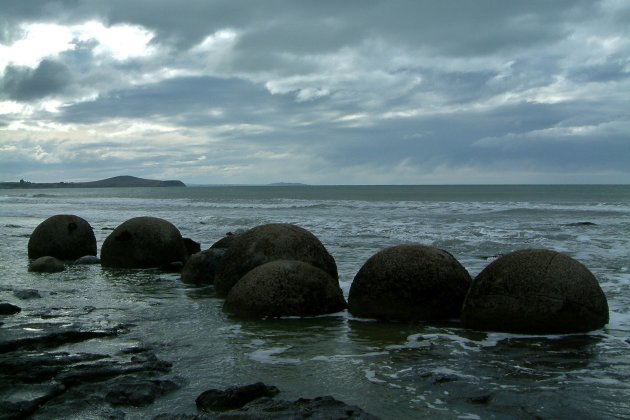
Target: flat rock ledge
255	401
42	375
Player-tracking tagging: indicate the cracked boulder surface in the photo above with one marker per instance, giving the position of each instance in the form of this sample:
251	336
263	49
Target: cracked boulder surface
49	369
535	291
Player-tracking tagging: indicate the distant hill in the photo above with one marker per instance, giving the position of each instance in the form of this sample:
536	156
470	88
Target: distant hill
115	182
287	184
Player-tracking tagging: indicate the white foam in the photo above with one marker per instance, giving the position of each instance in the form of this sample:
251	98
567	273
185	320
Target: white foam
269	356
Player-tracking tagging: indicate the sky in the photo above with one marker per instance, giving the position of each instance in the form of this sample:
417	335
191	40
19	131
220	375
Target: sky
318	92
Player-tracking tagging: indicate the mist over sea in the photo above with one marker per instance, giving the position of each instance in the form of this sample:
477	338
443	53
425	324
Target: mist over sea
392	370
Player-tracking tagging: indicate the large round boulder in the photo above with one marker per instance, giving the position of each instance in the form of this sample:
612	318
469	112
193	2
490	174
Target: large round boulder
143	242
535	291
267	243
409	283
285	288
63	236
201	267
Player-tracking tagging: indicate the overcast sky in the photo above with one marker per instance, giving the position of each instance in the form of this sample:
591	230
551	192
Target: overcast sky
320	92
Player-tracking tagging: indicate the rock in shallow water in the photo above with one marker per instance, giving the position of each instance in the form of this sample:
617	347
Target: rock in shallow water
535	291
285	288
46	265
267	243
9	309
201	267
233	397
409	283
143	242
63	236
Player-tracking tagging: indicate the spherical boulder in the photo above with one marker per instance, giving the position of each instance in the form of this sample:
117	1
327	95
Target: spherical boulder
535	291
285	288
409	283
201	267
267	243
143	242
46	265
63	236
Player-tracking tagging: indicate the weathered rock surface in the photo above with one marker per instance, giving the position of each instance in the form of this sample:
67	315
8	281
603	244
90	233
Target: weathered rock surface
50	383
201	267
233	397
285	288
409	282
227	240
63	236
143	242
46	265
267	243
535	291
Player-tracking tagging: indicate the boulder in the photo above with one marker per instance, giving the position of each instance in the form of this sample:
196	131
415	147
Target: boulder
201	267
409	283
233	397
285	288
46	265
87	260
535	291
267	243
143	242
63	236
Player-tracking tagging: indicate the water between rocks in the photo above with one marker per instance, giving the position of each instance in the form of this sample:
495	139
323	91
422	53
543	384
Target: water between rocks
150	326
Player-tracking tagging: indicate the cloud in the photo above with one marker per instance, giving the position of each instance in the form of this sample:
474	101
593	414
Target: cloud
366	91
23	84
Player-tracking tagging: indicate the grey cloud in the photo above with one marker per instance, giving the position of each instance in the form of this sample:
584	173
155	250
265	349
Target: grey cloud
25	84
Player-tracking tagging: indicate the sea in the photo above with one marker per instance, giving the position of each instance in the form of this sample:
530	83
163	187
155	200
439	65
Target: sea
393	370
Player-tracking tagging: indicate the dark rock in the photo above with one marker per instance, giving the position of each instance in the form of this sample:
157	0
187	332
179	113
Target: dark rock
9	309
267	243
192	247
26	294
63	236
535	291
87	260
409	282
480	399
137	392
317	408
233	397
575	224
173	267
201	267
143	242
46	265
285	288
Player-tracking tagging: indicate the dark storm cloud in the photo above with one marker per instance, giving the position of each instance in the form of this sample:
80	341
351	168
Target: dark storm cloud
25	84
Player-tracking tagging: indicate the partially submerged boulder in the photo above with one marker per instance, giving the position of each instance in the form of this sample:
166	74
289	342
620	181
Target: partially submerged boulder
285	288
46	265
267	243
143	242
64	236
409	283
201	267
535	291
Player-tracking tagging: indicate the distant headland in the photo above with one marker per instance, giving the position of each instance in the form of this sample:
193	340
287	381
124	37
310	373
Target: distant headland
115	182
